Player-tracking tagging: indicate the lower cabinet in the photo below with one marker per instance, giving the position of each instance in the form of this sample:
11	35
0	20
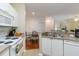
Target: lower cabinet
46	46
57	47
5	52
71	50
52	47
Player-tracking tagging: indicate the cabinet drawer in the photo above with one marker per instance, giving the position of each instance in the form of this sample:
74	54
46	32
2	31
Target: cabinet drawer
71	42
71	50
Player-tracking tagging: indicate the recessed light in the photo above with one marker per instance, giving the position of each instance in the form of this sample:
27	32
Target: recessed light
33	13
75	19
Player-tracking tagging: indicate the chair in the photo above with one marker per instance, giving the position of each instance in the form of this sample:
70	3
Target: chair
35	37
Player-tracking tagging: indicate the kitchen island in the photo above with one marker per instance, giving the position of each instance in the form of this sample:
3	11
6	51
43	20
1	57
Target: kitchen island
4	50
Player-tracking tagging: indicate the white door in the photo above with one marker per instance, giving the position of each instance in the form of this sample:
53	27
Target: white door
46	46
71	50
57	47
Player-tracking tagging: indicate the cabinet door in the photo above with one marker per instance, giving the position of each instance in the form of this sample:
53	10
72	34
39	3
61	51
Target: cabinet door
71	50
57	47
8	8
46	46
8	15
5	18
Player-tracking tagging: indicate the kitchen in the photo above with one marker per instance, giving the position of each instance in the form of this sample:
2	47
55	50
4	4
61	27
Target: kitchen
11	35
48	28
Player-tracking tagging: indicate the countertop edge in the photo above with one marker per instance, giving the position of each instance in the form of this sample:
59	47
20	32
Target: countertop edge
62	38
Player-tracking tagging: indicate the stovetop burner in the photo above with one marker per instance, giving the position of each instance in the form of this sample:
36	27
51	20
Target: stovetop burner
14	38
8	38
8	42
1	42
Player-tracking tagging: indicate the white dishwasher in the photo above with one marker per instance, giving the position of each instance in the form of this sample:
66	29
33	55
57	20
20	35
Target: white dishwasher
71	48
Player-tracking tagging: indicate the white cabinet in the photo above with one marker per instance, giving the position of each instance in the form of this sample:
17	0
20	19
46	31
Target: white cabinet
5	18
7	15
46	46
57	47
5	52
71	49
8	8
52	47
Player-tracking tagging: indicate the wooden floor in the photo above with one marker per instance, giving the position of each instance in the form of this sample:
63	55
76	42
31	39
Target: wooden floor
32	52
31	45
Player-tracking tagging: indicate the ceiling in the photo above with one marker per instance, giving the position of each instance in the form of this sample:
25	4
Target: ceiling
51	9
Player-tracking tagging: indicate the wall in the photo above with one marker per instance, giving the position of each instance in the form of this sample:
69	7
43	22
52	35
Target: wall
40	24
21	16
72	25
20	9
49	24
63	20
37	24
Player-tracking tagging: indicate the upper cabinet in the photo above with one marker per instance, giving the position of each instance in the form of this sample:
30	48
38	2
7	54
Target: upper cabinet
8	15
5	18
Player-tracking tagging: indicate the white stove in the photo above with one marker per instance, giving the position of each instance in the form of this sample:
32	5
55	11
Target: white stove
15	44
9	40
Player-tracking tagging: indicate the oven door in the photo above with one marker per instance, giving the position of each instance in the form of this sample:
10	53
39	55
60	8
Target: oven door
16	48
19	48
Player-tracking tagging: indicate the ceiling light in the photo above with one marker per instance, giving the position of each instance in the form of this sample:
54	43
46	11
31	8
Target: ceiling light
75	19
33	13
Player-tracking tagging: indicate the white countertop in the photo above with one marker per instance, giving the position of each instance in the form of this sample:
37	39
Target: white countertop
3	47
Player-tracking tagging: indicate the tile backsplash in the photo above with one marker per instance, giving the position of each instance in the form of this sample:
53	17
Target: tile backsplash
4	30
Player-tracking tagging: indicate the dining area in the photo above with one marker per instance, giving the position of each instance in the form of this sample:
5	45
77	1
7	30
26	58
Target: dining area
32	40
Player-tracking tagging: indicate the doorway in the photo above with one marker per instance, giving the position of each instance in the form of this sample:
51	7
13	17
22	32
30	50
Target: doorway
32	42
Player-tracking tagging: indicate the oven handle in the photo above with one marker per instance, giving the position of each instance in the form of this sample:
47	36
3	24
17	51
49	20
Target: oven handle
19	42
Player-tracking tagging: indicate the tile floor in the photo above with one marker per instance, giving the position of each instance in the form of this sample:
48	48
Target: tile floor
32	52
